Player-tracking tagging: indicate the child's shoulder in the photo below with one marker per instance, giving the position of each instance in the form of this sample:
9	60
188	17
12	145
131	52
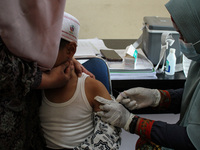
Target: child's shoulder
94	88
93	84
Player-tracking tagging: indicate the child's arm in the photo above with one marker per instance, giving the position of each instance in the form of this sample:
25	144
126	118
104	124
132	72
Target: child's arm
95	88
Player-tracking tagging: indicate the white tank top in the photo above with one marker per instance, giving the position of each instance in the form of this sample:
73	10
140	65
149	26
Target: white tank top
67	124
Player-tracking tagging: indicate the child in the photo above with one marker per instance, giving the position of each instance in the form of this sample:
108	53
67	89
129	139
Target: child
67	113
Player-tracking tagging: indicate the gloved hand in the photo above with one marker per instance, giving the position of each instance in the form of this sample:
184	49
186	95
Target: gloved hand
114	113
136	98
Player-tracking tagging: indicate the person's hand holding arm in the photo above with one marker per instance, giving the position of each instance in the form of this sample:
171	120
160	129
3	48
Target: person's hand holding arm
114	113
59	75
55	78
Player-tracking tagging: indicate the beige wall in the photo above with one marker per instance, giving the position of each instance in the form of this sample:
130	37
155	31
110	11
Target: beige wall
114	19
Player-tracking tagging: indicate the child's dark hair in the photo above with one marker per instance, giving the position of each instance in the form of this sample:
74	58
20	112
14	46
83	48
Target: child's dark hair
63	43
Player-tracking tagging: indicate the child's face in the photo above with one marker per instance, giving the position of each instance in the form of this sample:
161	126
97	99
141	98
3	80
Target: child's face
65	54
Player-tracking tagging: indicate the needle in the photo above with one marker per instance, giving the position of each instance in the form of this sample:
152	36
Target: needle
121	93
135	106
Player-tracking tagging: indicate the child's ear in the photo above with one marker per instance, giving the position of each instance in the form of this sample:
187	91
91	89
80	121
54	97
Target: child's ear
71	48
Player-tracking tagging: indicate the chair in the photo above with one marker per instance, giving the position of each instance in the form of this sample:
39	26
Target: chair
99	68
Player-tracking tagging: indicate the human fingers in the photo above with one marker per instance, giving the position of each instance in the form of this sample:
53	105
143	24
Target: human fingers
62	66
67	67
135	91
105	107
102	100
59	75
130	104
121	96
77	67
125	101
87	72
102	115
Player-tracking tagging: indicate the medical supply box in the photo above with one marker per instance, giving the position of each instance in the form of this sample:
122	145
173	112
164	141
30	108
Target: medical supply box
151	37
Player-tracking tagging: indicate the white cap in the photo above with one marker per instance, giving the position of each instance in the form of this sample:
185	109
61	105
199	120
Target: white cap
70	28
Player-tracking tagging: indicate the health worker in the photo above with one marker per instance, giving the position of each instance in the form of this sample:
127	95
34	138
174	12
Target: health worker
185	134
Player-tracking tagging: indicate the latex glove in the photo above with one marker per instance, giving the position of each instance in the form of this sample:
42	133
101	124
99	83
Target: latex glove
114	113
136	98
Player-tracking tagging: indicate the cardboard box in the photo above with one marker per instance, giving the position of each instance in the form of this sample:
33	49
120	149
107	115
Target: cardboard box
151	38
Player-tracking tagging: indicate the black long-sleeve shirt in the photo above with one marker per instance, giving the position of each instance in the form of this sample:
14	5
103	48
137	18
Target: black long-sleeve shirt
164	134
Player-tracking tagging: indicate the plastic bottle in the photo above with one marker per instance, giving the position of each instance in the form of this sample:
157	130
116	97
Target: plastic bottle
171	62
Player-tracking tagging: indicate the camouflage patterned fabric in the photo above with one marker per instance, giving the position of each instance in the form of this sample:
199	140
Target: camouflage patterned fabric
19	105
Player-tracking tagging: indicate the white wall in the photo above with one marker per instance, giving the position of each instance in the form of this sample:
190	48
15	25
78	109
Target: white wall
114	19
